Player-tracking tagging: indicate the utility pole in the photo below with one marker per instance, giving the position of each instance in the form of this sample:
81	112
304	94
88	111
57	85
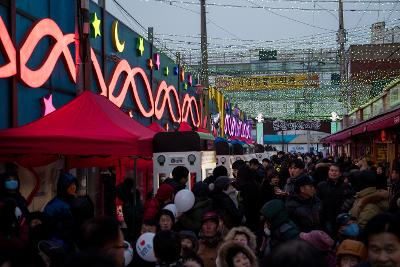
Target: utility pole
84	58
150	38
204	60
342	40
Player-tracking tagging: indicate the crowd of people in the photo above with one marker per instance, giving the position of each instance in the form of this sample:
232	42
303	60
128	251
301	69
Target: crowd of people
290	210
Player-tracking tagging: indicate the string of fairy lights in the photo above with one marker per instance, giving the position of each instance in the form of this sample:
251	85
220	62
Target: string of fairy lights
313	54
307	46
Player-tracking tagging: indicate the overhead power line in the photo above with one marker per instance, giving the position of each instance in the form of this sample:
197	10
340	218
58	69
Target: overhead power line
258	6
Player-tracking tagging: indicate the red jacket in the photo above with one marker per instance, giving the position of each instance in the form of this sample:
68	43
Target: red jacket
151	209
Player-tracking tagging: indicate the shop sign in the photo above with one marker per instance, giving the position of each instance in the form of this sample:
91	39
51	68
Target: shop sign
166	95
281	125
292	81
236	127
176	161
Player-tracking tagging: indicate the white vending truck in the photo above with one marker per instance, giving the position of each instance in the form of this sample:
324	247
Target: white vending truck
194	150
224	151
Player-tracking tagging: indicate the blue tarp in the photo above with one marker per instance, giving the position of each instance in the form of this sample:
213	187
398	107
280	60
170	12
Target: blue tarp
220	139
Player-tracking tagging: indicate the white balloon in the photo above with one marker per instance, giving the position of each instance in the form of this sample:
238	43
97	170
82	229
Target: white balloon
144	247
172	208
184	200
128	253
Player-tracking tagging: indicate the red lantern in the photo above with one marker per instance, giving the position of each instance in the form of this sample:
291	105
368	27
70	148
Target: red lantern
383	136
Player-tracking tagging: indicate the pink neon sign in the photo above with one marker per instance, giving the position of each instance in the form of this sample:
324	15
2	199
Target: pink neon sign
165	95
236	127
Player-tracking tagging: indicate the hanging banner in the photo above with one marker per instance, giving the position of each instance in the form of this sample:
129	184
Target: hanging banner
292	81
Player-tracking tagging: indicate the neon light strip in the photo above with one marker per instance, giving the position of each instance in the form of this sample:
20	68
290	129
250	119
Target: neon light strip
9	69
36	78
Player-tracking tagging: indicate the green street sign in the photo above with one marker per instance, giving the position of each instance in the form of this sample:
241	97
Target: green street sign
268	55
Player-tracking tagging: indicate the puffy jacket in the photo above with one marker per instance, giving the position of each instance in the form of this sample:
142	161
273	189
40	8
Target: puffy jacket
191	220
251	201
226	208
304	212
209	253
369	202
290	187
282	228
252	243
59	208
332	196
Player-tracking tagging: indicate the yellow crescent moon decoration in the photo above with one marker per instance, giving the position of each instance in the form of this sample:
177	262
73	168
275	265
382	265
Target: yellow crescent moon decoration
115	40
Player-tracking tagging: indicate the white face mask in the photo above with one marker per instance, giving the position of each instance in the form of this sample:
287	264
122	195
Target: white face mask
267	232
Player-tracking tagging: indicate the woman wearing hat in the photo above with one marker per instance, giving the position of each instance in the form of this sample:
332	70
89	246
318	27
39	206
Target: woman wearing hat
242	235
323	243
350	253
232	254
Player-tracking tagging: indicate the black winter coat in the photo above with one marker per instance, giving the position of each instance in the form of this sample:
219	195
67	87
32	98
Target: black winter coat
332	196
226	208
250	198
304	212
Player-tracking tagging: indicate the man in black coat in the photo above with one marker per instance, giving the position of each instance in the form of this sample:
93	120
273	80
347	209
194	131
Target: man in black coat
225	202
180	176
303	206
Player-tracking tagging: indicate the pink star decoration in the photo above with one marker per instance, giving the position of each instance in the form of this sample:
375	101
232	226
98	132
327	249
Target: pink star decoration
156	61
190	80
48	104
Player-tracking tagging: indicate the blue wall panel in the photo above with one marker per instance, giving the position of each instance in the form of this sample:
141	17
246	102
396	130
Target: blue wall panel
5	86
38	8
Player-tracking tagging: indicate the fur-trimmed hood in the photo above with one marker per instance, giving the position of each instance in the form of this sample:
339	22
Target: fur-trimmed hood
225	251
242	230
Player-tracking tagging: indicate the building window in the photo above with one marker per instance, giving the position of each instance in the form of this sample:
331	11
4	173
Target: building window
394	96
377	107
367	112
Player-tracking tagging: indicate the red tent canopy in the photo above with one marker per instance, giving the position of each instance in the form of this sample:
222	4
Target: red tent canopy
88	125
156	127
185	127
203	130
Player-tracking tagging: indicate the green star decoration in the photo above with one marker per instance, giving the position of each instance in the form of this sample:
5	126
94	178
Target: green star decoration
166	71
95	26
185	86
140	46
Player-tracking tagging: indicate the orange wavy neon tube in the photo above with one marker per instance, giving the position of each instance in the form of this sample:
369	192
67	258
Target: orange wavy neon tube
45	27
